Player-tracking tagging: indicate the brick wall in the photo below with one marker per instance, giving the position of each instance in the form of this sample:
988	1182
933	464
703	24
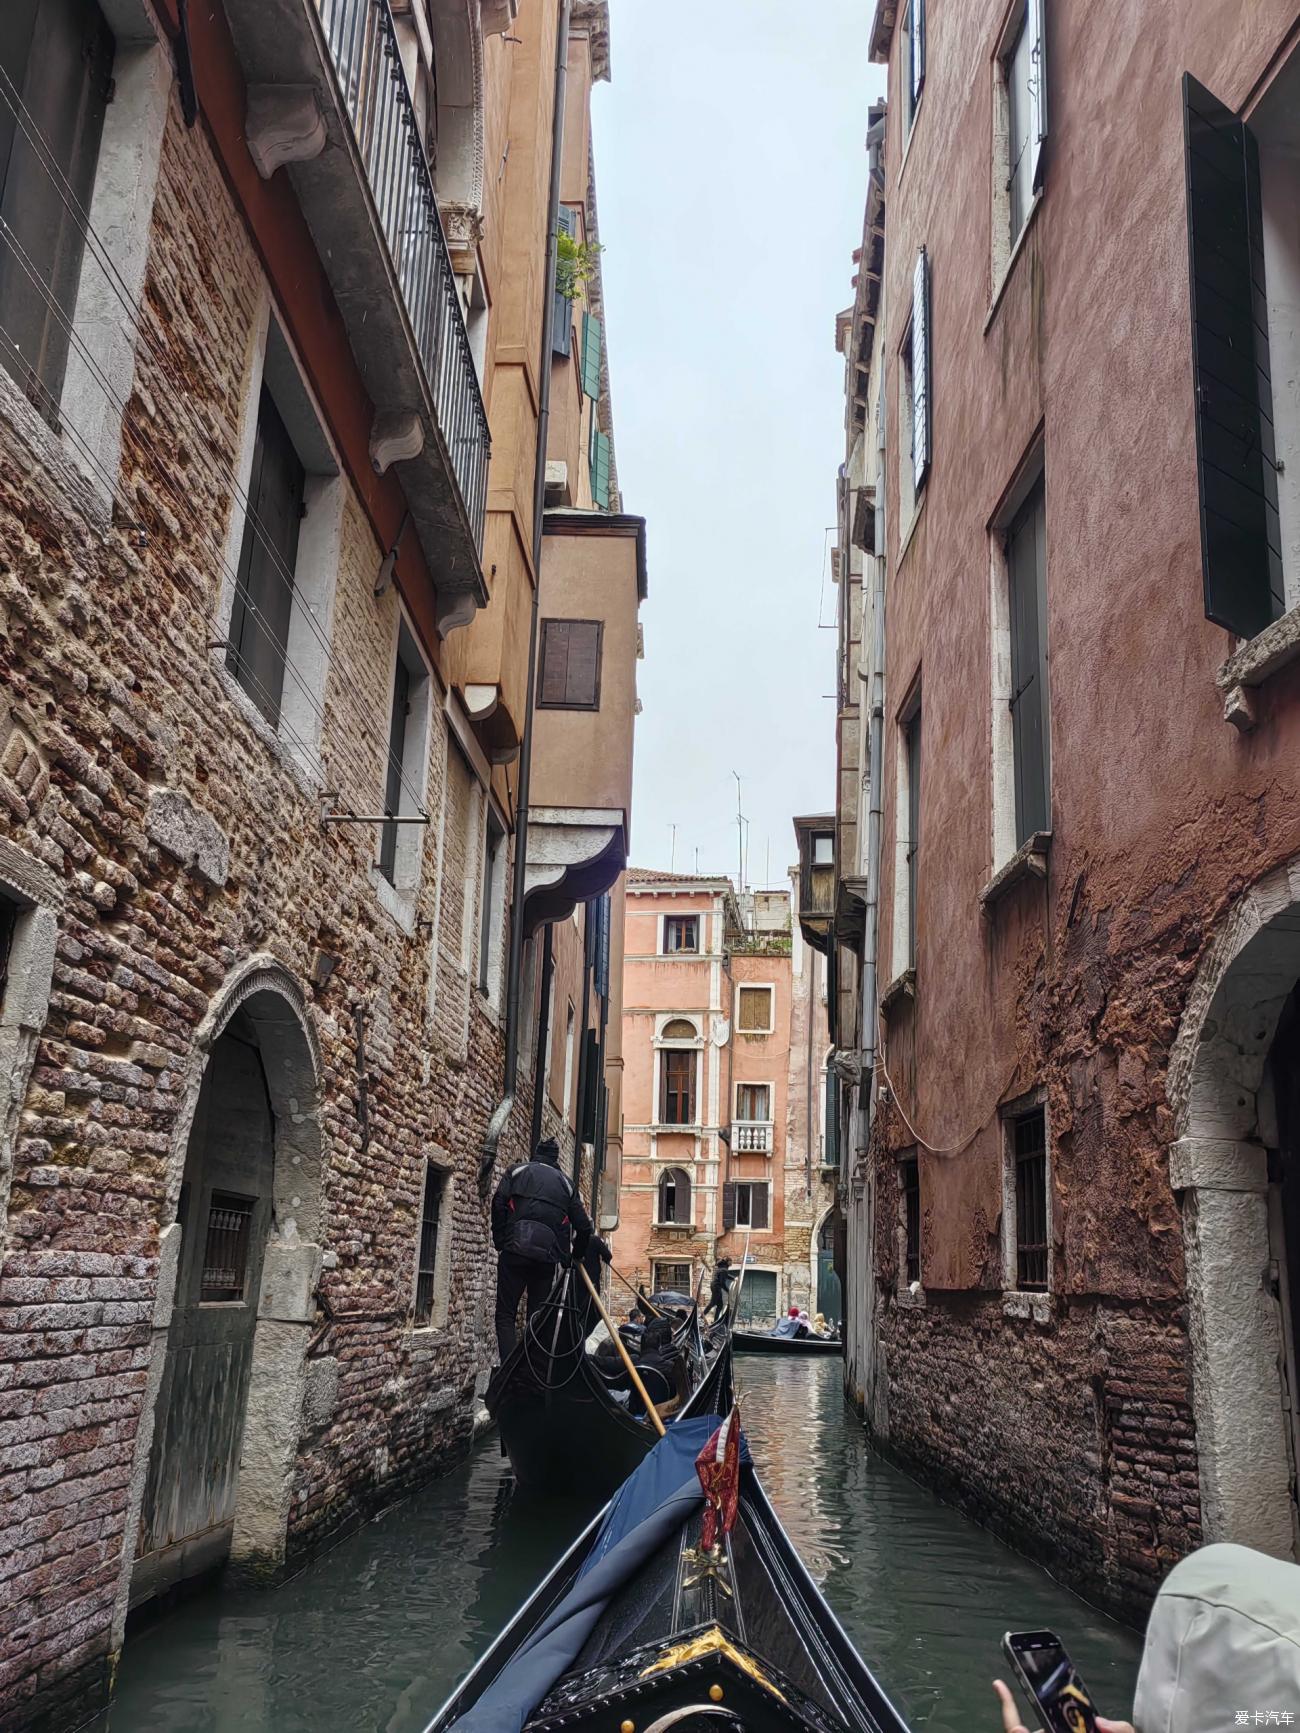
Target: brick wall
104	661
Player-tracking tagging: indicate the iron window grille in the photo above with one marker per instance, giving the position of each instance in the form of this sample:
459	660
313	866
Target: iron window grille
426	1269
672	1278
225	1249
1029	1147
909	1180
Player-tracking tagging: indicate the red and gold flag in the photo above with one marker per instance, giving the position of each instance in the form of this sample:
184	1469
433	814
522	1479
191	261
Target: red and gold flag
718	1466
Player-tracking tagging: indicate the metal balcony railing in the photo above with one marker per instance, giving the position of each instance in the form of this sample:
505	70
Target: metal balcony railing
363	45
751	1136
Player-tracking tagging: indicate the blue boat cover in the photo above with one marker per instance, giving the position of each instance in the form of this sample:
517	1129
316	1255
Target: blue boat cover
646	1511
788	1327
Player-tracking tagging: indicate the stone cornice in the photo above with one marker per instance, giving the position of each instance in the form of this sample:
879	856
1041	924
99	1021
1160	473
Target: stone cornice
593	17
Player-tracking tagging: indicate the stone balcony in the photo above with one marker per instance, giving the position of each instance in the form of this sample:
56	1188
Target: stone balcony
751	1136
327	100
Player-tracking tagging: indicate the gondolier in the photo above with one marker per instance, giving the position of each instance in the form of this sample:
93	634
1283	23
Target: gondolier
538	1223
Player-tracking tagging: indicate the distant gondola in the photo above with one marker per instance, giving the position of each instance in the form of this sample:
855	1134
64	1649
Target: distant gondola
562	1422
752	1342
637	1627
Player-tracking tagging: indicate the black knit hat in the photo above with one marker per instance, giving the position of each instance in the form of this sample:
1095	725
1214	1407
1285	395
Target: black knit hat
547	1150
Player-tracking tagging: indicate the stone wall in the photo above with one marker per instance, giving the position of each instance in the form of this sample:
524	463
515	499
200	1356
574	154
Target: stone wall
185	839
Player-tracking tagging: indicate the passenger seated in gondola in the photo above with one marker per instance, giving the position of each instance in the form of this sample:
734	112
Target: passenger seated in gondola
657	1364
787	1330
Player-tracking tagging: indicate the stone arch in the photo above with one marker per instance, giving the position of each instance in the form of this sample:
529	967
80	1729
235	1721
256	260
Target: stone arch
271	1005
1225	1125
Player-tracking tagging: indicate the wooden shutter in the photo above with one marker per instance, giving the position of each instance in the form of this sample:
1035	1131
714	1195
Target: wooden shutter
758	1218
590	1087
920	370
570	665
1036	22
682	1181
1027	594
916	39
1241	541
600	465
688	1090
728	1206
591	342
562	329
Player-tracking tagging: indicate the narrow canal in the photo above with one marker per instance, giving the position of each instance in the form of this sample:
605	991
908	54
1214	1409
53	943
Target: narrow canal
372	1636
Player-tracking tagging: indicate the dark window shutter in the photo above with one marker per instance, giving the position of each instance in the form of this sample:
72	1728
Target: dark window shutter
1037	22
758	1207
1027	594
259	621
1241	542
562	334
600	466
570	665
920	370
590	1087
688	1090
591	343
728	1206
683	1194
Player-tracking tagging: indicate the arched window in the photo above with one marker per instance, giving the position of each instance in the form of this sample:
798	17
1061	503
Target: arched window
679	1029
678	1070
674	1195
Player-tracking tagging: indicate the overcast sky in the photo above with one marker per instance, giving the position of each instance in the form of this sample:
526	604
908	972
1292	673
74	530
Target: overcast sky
731	177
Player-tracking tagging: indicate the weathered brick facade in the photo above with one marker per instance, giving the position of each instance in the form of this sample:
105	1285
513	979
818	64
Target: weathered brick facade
164	859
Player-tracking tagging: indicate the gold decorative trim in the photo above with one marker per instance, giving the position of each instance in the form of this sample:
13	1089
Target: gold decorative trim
712	1642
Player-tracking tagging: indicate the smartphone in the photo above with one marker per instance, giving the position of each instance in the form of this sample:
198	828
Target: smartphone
1048	1676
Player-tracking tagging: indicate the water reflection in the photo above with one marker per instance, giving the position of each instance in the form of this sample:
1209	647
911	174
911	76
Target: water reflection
924	1593
374	1635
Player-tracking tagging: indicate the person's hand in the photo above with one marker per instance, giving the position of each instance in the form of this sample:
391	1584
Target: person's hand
1105	1726
606	1256
1011	1721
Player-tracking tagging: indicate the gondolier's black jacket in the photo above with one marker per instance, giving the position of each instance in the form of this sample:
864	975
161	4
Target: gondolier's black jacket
538	1215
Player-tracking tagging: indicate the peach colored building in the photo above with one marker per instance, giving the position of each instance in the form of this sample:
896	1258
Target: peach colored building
717	1157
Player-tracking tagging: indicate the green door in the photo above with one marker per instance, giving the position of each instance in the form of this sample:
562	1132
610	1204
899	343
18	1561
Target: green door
757	1308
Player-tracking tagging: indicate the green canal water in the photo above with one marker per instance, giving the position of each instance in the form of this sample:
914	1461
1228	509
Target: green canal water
373	1636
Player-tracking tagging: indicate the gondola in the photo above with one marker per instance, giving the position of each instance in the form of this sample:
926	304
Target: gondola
752	1342
563	1426
638	1628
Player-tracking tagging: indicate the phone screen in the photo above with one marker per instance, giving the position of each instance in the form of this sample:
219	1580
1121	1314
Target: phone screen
1049	1674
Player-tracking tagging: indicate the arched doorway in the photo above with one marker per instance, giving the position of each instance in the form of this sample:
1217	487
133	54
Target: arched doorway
830	1292
215	1456
1234	1085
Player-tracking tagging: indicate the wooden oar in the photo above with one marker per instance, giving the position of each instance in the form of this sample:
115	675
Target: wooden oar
638	1297
626	1358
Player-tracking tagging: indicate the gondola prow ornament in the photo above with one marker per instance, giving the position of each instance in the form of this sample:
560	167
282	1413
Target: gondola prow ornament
718	1466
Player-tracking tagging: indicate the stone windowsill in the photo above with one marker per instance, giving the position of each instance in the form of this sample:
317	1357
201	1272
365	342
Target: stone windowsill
910	1301
1028	862
397	903
1009	268
673	1227
1032	1303
901	987
1252	663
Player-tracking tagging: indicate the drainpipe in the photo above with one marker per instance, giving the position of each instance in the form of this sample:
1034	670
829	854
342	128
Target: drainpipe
505	1107
541	1081
582	1067
876	711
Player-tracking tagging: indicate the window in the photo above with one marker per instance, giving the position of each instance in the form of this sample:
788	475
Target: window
1023	106
562	334
754	1010
1026	554
909	1188
671	1278
259	622
225	1249
404	768
492	906
601	463
427	1261
681	933
570	665
1236	437
754	1101
591	342
674	1196
915	373
823	848
679	1029
744	1205
567	1098
908	821
912	60
8	921
1028	1155
58	56
677	1086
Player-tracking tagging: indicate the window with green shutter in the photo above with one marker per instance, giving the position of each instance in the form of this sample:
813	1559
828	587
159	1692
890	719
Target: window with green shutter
562	330
591	338
600	454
